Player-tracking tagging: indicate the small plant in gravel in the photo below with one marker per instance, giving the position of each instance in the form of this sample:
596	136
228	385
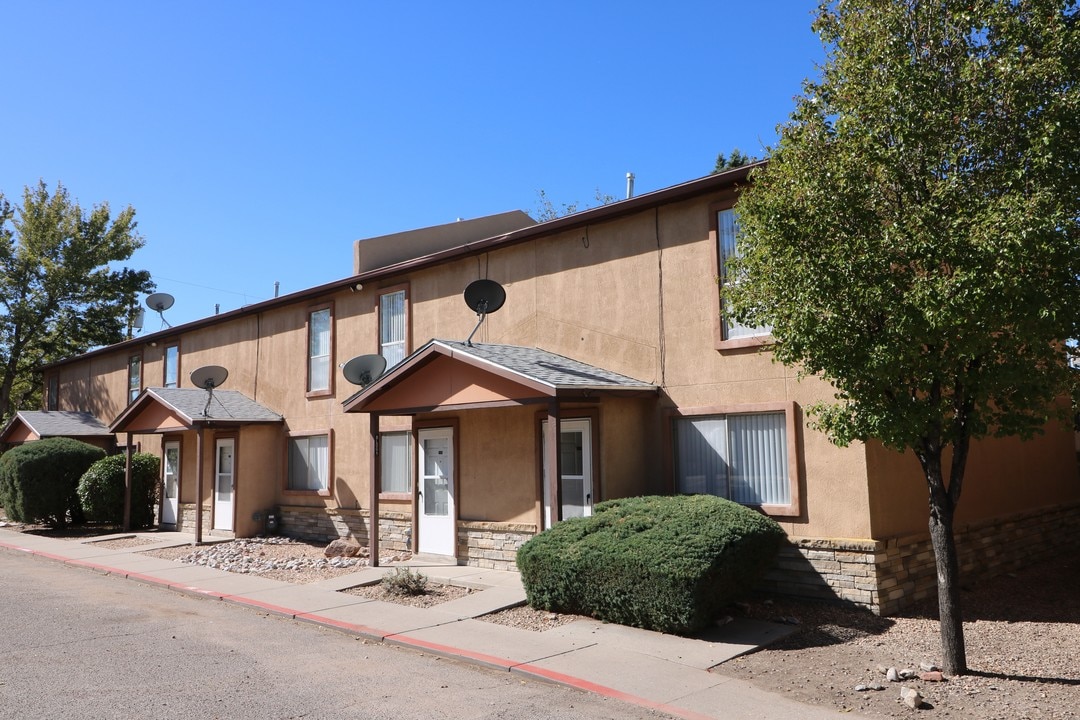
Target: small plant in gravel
403	581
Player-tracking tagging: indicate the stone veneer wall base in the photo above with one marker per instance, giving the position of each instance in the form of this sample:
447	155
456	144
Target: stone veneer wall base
888	575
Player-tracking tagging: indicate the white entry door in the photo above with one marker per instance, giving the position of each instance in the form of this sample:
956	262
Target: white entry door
575	444
224	481
170	480
437	517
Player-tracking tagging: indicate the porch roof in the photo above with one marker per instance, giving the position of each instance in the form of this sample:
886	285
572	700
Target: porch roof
450	374
170	409
54	423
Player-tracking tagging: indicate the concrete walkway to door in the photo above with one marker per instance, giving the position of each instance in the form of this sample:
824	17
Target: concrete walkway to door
650	669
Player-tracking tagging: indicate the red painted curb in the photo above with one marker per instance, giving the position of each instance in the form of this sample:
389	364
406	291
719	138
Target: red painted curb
450	651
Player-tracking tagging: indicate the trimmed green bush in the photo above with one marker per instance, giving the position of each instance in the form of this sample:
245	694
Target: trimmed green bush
38	480
663	563
101	489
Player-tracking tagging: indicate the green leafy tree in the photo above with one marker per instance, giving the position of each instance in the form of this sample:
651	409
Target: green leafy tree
737	159
60	292
915	237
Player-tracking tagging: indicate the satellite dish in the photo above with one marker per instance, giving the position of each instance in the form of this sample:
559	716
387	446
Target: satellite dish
160	302
364	369
484	296
209	377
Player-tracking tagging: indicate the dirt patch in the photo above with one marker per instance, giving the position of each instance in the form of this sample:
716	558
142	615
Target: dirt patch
528	618
436	595
1023	648
122	543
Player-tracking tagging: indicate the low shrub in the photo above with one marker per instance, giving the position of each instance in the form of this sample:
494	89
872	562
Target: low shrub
403	581
38	480
663	563
101	489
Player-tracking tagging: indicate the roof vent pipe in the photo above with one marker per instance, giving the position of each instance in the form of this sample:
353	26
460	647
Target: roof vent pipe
277	287
629	185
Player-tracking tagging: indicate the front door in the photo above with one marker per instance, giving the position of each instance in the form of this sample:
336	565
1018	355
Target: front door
224	481
437	517
576	483
170	470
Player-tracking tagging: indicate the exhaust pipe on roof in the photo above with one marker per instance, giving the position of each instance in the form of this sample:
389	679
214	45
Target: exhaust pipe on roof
629	185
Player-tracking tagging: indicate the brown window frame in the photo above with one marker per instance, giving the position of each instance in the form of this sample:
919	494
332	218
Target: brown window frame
329	490
329	390
131	398
794	508
390	290
165	364
52	392
727	202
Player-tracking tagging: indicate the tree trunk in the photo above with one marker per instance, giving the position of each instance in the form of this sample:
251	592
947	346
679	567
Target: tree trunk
954	654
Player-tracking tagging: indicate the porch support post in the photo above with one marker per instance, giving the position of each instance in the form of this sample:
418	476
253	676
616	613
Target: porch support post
552	461
198	484
127	485
375	483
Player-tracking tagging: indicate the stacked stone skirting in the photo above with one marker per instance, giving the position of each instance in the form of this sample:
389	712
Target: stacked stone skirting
185	520
326	524
888	575
492	546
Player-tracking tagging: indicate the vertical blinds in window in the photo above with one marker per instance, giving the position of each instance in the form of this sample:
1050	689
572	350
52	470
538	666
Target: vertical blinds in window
740	457
392	327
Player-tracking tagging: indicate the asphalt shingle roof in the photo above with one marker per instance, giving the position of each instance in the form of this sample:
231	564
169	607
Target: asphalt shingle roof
62	423
226	405
547	367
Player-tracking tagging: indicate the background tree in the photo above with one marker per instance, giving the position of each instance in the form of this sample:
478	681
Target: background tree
546	209
915	238
60	293
737	159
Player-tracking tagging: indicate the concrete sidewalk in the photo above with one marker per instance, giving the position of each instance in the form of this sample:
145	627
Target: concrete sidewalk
664	672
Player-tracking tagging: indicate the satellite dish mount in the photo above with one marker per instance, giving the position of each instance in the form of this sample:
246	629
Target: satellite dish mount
161	302
364	369
483	297
209	377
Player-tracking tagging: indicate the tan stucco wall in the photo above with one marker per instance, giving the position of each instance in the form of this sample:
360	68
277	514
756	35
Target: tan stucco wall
1004	476
636	295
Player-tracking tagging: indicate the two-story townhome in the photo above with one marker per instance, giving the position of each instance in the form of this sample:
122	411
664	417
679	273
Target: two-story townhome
609	371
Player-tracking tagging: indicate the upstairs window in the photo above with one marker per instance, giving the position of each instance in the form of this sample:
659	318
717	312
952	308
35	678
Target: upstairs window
309	463
134	377
172	366
319	351
727	231
393	307
52	393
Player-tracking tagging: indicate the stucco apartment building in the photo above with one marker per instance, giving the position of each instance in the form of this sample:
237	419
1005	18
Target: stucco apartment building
611	332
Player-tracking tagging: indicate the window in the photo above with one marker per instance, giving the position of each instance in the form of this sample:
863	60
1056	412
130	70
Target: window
134	377
319	351
744	457
727	230
392	325
172	366
309	463
395	451
52	392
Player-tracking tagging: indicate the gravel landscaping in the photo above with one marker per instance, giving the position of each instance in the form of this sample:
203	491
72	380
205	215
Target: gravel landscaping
1022	630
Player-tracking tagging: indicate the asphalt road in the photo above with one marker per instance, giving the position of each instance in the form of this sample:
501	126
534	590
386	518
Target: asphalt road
77	644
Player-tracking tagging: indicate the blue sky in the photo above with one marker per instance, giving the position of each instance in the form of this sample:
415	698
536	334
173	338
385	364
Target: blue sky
257	140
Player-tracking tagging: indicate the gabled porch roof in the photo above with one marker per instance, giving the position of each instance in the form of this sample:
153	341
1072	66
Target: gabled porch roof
159	410
37	424
452	375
